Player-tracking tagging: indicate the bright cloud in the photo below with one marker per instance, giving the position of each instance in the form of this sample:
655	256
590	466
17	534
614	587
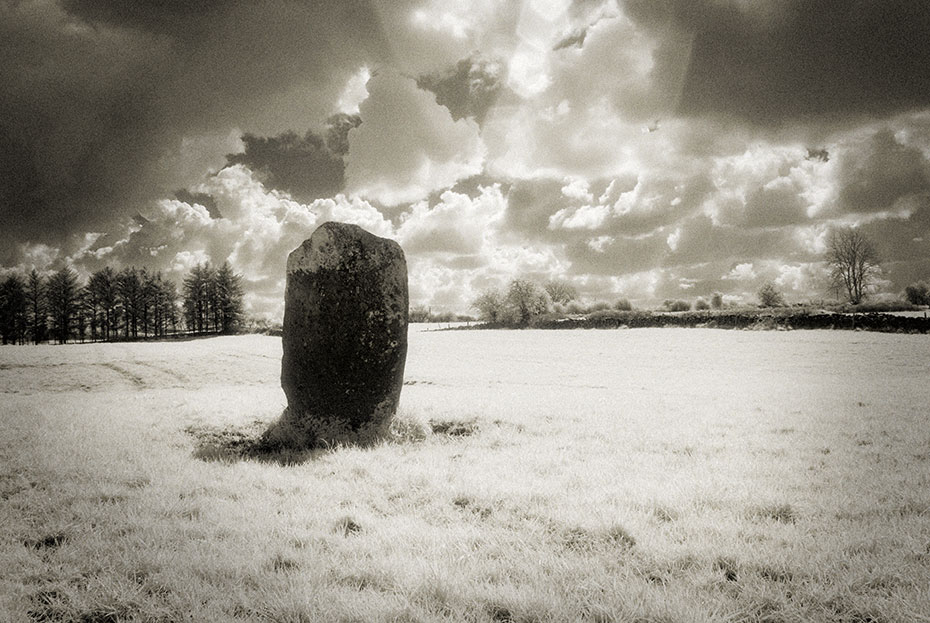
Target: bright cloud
585	217
258	229
742	272
355	92
408	145
457	225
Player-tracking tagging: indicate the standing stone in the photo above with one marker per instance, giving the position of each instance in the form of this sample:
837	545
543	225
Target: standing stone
345	336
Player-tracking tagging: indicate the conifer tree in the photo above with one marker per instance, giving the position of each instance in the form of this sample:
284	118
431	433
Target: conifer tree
63	302
13	310
128	289
229	298
37	321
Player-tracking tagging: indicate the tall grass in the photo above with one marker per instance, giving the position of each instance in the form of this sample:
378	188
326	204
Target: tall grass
581	487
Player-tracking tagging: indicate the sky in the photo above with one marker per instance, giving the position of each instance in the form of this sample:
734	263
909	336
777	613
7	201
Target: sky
639	149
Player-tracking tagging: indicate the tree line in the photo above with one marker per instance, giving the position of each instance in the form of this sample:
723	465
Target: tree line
851	257
128	304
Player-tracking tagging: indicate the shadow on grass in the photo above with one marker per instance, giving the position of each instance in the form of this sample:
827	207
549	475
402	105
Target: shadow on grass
453	427
250	442
267	443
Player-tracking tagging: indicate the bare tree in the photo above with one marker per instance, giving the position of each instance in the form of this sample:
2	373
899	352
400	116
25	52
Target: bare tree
561	291
853	262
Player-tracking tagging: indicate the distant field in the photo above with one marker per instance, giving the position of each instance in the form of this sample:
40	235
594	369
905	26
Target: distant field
651	475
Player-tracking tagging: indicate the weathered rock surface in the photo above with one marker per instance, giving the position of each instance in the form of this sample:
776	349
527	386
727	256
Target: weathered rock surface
344	337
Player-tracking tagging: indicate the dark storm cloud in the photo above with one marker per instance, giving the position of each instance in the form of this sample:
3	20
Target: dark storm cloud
167	16
772	62
20	197
337	132
301	165
106	106
820	154
76	118
904	239
775	207
903	246
879	173
469	89
309	167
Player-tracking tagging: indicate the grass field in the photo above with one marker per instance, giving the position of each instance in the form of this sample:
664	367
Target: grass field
660	475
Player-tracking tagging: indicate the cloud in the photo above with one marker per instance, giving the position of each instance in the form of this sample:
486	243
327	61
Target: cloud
308	167
530	206
429	36
616	255
878	172
457	225
354	93
462	20
577	188
251	226
632	146
803	278
202	199
585	217
103	105
630	206
540	25
574	39
553	139
701	241
407	145
450	285
768	186
164	17
796	59
638	69
461	245
468	89
742	272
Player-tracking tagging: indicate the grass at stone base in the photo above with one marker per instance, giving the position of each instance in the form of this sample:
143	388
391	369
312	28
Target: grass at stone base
253	442
549	510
